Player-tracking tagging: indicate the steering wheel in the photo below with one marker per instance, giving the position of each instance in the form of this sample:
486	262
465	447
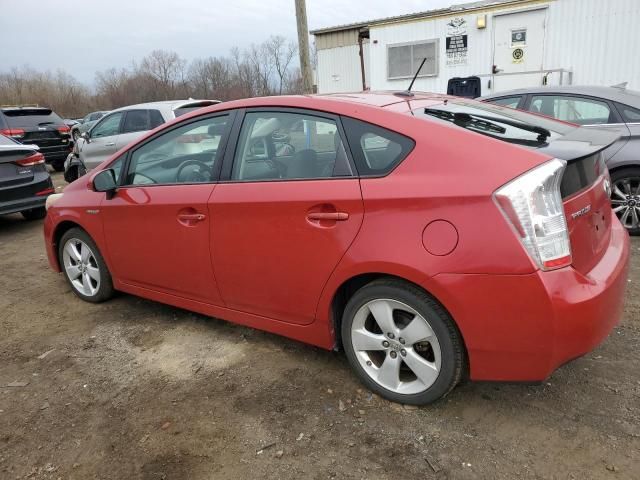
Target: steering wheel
202	173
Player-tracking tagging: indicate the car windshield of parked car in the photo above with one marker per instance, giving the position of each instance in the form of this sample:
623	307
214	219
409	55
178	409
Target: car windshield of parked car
495	121
31	117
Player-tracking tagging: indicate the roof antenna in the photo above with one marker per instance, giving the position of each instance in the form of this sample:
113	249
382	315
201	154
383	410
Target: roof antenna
407	92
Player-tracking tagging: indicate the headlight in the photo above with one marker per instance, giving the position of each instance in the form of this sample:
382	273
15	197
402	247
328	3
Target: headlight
51	199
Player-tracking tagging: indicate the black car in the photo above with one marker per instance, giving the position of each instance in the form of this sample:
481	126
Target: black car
38	126
25	182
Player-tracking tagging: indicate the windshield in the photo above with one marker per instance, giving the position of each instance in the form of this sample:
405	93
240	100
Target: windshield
495	121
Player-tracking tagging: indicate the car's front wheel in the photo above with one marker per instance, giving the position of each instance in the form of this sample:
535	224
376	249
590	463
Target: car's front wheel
84	267
401	343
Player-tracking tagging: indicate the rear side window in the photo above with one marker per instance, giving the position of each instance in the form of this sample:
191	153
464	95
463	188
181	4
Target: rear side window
141	120
376	151
31	117
580	110
629	114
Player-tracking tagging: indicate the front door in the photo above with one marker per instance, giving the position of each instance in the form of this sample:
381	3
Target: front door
518	40
287	216
157	226
102	140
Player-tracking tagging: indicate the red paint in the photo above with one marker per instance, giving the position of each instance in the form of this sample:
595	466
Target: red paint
272	255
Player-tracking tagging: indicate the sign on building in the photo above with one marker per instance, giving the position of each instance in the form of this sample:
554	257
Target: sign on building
457	42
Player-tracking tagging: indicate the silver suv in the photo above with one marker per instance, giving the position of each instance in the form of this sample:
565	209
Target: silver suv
119	128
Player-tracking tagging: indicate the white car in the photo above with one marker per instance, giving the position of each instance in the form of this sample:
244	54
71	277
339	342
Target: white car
119	128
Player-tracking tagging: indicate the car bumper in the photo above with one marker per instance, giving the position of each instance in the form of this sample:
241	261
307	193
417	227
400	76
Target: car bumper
25	197
523	327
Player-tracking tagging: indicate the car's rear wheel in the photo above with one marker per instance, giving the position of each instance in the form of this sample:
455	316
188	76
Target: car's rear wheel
34	213
625	198
84	267
401	343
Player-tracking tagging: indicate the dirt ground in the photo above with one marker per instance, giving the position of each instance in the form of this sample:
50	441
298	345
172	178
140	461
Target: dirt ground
132	389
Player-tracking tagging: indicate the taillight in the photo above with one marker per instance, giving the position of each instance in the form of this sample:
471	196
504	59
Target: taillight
13	132
64	130
35	159
532	204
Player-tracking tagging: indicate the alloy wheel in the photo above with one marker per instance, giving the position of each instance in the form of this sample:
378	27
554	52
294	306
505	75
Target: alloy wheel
81	267
625	200
396	346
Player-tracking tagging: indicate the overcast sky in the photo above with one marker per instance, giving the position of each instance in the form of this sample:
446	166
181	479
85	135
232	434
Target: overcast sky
91	35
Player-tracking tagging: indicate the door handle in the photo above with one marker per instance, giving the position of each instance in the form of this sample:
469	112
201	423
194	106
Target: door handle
110	144
192	217
333	216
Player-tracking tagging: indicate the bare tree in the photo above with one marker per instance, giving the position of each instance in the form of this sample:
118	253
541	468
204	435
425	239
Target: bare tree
280	53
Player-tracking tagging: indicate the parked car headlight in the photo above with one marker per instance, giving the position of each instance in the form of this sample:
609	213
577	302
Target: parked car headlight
51	199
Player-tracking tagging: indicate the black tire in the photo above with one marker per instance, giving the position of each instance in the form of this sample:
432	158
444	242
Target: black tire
447	334
633	174
105	288
35	213
71	174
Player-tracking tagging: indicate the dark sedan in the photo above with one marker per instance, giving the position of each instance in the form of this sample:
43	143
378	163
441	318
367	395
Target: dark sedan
614	108
25	183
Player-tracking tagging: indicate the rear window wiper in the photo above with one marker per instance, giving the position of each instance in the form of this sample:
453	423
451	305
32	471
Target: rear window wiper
465	120
543	133
45	123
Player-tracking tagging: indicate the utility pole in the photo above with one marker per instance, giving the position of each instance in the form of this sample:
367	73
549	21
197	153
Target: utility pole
303	46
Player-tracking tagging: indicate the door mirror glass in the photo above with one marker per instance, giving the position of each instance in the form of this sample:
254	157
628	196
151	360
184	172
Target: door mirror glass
85	135
105	181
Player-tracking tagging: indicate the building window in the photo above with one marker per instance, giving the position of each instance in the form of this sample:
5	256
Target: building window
403	60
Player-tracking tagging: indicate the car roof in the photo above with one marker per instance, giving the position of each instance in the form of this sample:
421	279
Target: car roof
165	105
616	94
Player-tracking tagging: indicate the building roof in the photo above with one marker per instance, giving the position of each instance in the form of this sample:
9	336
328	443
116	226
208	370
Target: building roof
452	10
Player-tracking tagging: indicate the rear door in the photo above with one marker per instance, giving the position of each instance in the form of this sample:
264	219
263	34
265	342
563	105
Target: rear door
102	140
286	213
588	112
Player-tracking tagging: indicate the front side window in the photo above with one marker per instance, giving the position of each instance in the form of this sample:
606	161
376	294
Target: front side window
188	154
511	102
287	146
580	110
376	150
108	126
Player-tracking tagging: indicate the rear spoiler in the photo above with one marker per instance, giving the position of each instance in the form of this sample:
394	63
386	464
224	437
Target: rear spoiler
579	143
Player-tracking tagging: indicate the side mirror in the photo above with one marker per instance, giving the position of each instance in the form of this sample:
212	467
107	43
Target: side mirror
105	181
85	135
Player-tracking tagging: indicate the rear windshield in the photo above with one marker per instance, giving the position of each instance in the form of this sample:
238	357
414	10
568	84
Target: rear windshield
193	106
31	117
506	124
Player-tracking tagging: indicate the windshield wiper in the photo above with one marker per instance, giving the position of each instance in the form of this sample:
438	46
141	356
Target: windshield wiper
543	133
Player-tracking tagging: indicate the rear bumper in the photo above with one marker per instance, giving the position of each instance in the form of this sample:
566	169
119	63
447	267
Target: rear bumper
523	327
23	197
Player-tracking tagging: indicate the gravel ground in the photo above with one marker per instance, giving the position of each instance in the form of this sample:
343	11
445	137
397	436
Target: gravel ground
132	389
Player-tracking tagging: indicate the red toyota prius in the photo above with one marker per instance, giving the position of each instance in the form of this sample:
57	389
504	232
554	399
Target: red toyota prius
430	237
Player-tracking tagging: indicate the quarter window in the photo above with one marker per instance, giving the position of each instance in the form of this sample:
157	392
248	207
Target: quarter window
583	111
376	150
188	154
108	126
629	114
287	146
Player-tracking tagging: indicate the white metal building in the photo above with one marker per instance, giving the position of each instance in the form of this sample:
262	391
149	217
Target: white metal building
507	43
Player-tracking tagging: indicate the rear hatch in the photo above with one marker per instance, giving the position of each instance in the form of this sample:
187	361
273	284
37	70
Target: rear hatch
585	182
38	126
